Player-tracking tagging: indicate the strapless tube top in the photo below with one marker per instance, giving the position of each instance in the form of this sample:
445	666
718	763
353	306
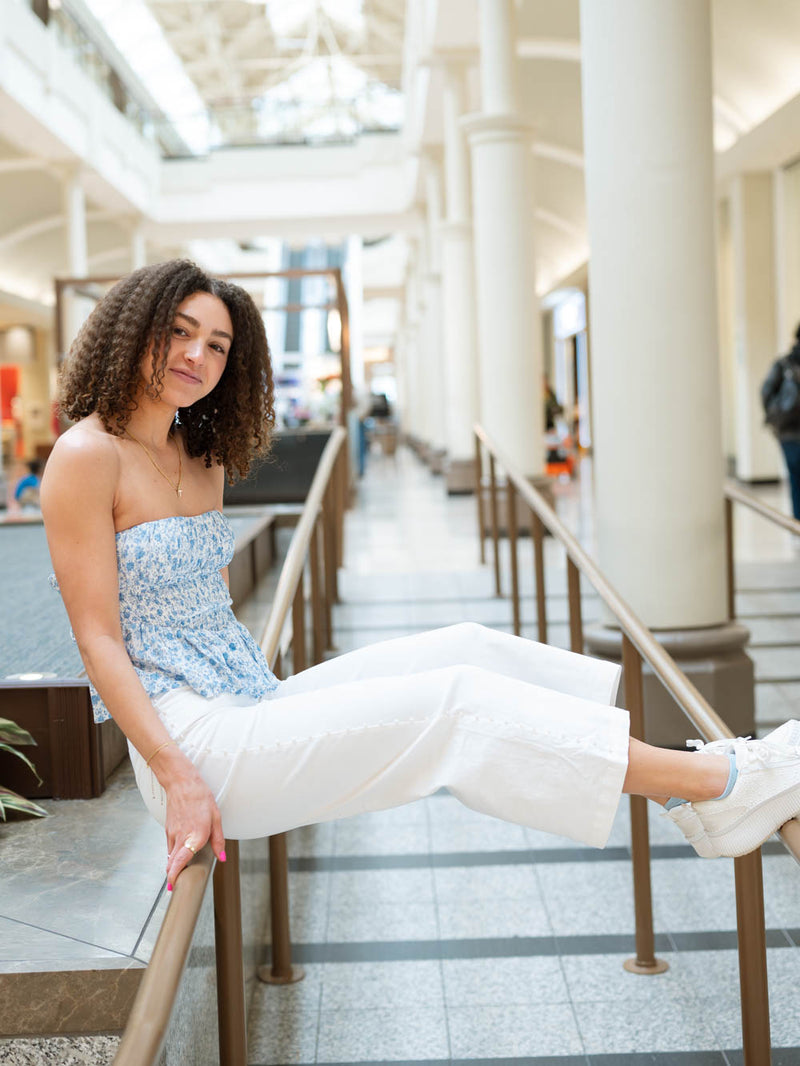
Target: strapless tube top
175	611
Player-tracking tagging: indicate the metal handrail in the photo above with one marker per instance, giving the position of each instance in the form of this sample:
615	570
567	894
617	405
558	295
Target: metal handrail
734	493
148	1022
294	563
638	644
325	502
778	518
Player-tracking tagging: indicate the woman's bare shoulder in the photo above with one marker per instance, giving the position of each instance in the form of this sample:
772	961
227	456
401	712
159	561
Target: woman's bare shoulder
88	438
85	455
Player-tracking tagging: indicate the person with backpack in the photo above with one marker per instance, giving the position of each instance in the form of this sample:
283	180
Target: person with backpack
780	395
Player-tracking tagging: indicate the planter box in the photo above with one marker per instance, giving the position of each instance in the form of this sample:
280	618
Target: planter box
73	756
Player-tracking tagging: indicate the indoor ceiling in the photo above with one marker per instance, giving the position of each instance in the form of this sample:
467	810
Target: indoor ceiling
238	50
263	70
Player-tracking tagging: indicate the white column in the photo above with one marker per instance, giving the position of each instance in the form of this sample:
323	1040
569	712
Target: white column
138	246
415	393
75	212
726	320
76	308
434	340
509	337
787	246
497	36
458	276
650	201
354	285
400	358
755	335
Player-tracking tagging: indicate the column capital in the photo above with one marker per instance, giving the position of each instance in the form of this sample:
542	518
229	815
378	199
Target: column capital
460	228
480	126
67	170
452	58
431	155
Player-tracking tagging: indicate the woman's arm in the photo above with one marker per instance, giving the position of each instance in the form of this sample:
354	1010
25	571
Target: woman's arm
77	500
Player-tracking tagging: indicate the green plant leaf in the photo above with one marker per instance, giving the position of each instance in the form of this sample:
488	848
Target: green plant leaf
25	759
11	801
13	733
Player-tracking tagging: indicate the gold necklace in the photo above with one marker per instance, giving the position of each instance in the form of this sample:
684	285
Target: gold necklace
167	478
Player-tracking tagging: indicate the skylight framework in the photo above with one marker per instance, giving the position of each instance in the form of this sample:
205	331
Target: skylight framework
238	72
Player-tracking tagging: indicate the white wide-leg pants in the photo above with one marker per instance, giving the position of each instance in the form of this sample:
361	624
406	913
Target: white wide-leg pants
515	729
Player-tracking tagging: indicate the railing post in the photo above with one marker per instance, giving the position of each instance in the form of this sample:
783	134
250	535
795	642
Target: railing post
645	961
299	629
281	971
495	523
731	576
326	580
537	535
575	612
331	551
479	495
230	965
340	477
317	605
511	506
752	959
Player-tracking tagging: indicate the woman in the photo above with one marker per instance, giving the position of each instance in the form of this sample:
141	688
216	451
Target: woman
170	388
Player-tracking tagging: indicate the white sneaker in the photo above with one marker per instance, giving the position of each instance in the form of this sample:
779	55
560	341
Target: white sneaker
765	796
687	818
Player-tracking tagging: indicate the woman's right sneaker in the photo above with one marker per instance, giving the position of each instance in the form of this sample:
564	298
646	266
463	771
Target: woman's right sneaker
765	796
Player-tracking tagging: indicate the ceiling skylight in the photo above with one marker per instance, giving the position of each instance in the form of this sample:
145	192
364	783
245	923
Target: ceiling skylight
290	18
140	39
328	97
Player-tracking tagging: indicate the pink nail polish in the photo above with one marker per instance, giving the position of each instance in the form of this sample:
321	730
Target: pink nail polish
169	887
222	857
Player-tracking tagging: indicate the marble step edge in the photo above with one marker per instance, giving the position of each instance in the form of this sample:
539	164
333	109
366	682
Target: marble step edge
88	996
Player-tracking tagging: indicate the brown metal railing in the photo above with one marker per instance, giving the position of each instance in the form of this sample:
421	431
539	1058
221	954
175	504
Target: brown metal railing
317	541
638	645
735	494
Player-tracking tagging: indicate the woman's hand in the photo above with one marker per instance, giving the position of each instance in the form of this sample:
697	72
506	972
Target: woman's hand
193	819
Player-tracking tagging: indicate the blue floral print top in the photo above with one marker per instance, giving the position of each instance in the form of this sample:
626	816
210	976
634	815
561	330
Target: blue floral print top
175	611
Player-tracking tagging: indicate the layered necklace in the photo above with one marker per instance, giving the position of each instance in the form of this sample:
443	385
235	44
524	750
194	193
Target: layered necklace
176	486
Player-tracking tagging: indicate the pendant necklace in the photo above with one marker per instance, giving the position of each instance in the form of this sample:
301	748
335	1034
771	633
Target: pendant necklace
167	478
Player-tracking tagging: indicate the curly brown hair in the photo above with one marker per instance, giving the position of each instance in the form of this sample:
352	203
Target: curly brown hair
233	424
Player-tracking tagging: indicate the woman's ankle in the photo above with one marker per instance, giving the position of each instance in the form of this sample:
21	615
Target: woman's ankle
714	771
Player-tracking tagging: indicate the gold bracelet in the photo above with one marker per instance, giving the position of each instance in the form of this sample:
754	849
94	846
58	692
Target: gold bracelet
158	749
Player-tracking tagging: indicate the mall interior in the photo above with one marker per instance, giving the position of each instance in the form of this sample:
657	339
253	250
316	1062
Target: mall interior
573	223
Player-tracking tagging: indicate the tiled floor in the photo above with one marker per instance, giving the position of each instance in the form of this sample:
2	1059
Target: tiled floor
433	934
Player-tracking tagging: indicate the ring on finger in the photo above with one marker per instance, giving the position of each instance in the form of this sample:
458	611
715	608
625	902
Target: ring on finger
189	844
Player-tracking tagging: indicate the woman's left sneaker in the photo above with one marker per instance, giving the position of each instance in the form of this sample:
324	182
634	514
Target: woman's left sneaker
765	796
685	815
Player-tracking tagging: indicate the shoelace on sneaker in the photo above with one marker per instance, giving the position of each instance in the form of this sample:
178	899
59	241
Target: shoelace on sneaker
746	749
720	747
